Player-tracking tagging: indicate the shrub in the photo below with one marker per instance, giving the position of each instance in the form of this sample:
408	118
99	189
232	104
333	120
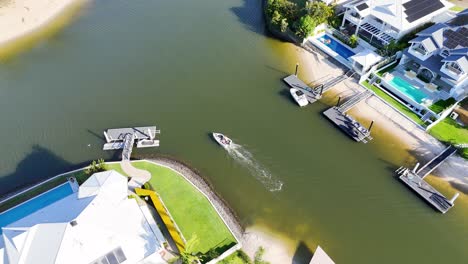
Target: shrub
94	167
258	258
353	41
284	25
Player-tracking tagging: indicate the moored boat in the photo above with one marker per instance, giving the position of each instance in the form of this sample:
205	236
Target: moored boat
299	97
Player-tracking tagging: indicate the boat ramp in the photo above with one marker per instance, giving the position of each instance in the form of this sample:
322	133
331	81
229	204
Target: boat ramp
415	180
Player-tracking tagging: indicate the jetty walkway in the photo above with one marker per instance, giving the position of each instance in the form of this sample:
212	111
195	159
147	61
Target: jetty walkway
124	138
435	162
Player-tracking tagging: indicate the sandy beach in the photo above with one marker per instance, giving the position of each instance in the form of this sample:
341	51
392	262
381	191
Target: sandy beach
21	18
405	143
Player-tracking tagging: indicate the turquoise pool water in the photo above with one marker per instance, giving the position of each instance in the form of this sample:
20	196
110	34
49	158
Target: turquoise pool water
409	90
34	204
336	46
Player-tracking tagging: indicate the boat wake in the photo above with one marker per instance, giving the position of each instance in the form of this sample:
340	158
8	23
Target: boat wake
246	159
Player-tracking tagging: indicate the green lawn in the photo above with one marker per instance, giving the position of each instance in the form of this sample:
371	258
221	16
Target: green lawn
457	8
190	209
449	131
116	166
441	105
394	103
238	257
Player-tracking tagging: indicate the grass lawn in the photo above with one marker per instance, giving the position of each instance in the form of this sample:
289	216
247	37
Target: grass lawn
457	8
116	166
190	209
394	103
79	175
238	257
441	105
449	131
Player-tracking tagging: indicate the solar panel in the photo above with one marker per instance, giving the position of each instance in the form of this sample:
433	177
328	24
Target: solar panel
416	9
362	6
456	38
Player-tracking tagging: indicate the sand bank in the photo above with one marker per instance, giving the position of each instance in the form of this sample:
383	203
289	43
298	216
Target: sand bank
22	18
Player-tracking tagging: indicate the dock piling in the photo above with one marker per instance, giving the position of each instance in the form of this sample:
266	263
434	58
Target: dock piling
297	67
321	90
338	103
371	124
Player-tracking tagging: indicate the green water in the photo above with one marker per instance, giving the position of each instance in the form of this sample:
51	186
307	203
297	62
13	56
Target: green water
192	67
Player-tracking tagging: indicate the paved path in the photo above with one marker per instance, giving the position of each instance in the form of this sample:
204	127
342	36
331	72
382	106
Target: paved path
139	177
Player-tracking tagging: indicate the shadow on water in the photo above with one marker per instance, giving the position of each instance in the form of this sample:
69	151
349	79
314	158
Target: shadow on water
302	255
39	165
101	137
285	93
250	14
36	166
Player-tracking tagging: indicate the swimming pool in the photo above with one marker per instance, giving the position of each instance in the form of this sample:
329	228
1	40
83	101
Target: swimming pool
336	46
407	89
34	204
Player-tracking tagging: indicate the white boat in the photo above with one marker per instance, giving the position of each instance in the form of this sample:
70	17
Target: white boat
299	97
222	140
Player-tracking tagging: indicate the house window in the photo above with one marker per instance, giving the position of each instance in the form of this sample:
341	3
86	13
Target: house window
419	48
444	53
454	67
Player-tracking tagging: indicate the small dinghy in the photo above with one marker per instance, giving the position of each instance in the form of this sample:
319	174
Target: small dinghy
224	141
299	97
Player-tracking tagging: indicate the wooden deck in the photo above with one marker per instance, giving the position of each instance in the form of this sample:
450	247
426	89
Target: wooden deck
426	191
294	82
348	125
118	134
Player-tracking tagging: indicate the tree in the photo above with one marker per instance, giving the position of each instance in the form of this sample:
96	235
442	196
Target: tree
284	25
305	26
188	255
276	18
320	11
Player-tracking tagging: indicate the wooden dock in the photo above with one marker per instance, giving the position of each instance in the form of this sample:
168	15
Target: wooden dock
125	138
426	191
415	180
294	82
347	124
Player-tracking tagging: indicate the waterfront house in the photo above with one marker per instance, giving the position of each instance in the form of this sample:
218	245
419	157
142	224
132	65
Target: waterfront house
381	21
96	224
439	57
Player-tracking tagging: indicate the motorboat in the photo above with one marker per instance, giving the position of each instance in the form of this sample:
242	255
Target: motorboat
224	141
299	97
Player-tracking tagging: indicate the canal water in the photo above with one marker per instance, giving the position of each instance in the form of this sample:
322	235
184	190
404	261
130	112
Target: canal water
192	67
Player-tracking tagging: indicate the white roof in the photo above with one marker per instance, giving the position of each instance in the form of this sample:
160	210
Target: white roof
366	58
392	12
320	257
104	219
